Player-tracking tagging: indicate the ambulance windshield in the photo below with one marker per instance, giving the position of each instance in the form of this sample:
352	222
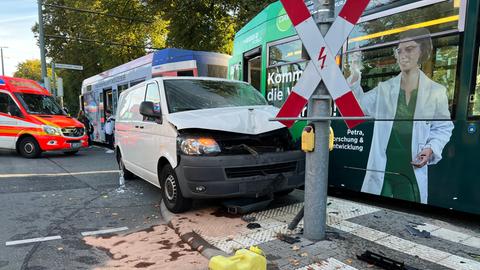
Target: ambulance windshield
40	104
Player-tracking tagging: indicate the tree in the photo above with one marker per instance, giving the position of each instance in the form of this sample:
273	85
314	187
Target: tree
101	42
208	24
30	69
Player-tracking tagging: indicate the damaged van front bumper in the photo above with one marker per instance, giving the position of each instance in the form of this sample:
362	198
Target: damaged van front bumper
240	175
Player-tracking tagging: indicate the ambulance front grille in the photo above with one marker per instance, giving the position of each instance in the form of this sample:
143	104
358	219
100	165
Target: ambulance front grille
73	132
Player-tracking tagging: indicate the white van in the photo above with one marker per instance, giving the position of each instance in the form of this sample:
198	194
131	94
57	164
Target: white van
204	138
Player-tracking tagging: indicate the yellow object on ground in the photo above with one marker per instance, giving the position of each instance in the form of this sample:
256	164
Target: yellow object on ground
243	259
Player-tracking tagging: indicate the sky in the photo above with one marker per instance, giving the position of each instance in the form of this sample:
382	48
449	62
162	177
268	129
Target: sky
17	18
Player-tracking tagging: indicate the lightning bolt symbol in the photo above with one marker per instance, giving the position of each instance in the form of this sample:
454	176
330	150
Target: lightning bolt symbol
322	57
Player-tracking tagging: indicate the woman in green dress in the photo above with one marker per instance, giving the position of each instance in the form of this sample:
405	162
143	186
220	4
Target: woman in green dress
400	149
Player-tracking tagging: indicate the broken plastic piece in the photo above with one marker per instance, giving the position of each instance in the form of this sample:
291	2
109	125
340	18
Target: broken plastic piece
288	239
384	262
416	232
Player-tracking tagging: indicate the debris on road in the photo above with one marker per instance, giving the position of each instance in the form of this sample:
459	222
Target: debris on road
416	232
287	239
383	262
253	225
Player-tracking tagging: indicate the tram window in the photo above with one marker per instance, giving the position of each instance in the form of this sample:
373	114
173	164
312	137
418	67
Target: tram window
132	83
437	18
185	73
217	71
475	97
287	52
121	88
379	65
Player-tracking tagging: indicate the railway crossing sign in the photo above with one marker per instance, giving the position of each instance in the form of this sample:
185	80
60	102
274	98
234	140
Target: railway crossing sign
322	66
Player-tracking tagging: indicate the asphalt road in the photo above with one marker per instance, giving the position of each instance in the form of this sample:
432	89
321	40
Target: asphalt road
65	196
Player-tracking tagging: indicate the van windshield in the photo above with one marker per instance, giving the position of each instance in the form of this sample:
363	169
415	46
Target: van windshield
185	95
39	104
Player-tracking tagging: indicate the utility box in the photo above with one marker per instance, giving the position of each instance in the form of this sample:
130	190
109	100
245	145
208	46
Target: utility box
308	139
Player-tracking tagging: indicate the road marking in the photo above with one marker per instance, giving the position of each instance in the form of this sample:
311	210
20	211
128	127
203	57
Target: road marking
56	174
105	231
33	240
450	235
329	264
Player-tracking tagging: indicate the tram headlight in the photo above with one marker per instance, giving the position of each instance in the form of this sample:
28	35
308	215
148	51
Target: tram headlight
52	130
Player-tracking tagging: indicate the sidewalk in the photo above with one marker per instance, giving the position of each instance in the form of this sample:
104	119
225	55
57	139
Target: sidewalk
352	229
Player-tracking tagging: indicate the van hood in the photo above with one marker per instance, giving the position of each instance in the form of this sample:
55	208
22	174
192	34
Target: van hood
247	120
60	121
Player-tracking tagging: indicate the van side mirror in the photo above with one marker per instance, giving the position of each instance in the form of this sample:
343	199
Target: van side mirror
149	109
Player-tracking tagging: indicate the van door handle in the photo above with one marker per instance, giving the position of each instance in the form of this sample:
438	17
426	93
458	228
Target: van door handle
140	126
136	126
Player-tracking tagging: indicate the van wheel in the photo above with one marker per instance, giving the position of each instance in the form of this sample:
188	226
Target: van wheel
127	175
171	193
29	148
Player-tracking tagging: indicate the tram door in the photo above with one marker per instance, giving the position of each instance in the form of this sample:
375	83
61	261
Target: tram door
252	64
107	101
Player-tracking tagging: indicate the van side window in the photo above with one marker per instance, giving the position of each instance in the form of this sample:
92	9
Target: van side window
8	106
136	97
153	95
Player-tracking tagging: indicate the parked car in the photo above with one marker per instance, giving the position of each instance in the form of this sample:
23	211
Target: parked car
204	138
31	121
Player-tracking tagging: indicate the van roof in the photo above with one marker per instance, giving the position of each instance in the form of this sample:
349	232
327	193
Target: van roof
22	85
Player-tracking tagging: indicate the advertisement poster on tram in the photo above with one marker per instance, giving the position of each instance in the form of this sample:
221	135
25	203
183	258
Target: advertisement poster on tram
404	63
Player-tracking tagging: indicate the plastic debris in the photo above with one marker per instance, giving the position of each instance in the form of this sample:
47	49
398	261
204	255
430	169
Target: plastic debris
383	262
287	239
252	226
416	232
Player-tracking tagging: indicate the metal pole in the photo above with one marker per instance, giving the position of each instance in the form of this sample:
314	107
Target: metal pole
3	68
52	85
41	37
316	174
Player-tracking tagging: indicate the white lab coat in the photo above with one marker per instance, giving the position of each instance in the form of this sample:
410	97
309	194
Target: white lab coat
381	103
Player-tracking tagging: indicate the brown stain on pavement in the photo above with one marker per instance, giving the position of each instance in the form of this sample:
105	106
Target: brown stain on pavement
210	222
157	247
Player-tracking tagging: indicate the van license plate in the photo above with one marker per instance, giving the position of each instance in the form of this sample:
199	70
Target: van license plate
75	145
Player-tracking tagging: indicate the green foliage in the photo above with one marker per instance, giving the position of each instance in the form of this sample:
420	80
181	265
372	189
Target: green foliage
200	25
30	69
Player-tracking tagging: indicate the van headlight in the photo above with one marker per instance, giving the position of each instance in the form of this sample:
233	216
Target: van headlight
198	146
52	130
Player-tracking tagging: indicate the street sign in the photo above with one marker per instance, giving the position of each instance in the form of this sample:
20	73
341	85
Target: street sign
322	50
59	87
68	66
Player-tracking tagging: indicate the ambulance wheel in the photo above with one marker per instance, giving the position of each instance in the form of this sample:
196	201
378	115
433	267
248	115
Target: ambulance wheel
28	147
171	193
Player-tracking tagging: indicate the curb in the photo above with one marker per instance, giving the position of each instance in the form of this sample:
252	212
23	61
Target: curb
193	239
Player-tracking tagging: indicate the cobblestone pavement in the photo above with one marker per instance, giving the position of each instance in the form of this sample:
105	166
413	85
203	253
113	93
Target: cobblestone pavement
352	229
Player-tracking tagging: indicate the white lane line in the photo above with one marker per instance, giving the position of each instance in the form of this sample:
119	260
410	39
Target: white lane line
33	240
57	174
105	231
329	264
408	247
450	235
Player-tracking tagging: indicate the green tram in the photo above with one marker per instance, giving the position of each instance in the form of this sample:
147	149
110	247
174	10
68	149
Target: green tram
269	55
